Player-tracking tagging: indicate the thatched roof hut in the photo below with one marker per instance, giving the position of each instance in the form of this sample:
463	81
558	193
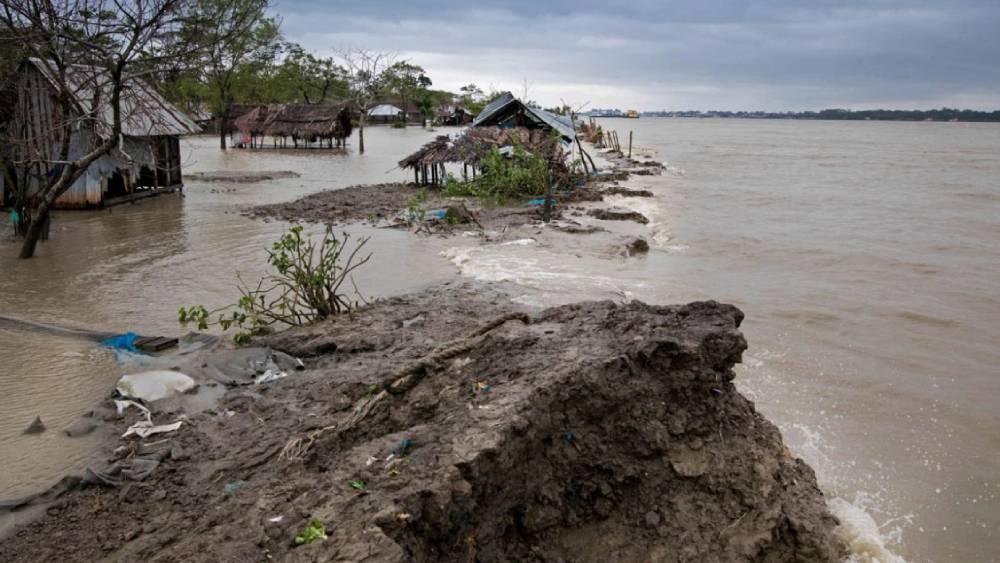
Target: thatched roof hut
474	143
309	123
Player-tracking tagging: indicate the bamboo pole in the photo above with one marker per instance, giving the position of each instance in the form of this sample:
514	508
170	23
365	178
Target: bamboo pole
630	144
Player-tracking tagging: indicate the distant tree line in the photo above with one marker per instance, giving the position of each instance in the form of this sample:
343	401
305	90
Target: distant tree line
943	114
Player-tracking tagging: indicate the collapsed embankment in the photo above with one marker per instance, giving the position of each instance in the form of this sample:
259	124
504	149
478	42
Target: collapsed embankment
409	205
422	431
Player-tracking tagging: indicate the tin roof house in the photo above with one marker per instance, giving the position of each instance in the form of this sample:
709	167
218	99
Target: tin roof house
146	162
507	111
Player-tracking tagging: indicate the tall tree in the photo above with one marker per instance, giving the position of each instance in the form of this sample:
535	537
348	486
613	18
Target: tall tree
407	81
314	79
238	36
367	77
90	51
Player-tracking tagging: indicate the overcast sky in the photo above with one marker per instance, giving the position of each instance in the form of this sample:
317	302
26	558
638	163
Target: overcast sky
771	55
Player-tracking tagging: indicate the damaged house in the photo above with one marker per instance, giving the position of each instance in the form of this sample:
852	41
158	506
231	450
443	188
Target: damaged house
306	125
504	122
147	161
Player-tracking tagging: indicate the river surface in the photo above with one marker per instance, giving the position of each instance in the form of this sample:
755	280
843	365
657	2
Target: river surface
864	254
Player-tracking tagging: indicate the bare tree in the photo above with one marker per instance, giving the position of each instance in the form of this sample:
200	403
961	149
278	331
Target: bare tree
90	52
367	80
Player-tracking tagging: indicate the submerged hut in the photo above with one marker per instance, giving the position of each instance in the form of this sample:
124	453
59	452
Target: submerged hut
505	122
452	114
508	111
306	125
469	148
147	162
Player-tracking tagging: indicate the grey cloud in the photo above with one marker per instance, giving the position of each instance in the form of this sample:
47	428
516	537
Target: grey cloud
769	54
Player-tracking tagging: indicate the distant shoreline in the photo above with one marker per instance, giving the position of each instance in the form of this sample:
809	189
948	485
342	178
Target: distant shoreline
942	115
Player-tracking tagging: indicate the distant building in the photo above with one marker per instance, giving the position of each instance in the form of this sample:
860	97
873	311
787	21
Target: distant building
452	114
385	113
147	162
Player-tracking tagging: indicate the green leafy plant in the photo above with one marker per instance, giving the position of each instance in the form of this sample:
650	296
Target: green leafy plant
307	286
315	530
511	174
415	210
356	484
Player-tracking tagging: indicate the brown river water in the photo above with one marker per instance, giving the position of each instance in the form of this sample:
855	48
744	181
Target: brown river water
865	255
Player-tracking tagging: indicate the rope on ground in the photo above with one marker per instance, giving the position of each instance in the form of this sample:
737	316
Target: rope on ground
404	380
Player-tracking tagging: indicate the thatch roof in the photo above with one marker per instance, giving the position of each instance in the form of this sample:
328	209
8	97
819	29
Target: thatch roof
476	142
297	120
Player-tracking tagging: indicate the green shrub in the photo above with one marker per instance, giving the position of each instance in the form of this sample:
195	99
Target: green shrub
308	286
516	175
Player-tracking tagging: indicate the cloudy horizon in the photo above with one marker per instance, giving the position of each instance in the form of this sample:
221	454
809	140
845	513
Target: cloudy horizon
771	55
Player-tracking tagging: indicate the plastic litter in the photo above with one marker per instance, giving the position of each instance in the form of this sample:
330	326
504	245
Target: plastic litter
122	342
144	428
402	447
134	470
276	519
269	376
356	484
569	437
538	201
154	385
233	486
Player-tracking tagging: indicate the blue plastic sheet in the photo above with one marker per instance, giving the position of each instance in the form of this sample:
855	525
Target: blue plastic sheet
122	342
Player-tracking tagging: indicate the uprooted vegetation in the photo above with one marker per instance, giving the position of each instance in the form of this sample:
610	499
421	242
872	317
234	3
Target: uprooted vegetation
424	431
308	285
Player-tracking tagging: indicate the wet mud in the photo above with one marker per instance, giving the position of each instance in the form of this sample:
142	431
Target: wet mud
453	425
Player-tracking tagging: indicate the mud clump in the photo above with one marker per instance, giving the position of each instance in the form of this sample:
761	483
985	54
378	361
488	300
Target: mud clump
349	205
241	177
618	214
450	425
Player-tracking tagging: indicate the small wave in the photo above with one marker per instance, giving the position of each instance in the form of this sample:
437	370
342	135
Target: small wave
861	535
649	208
979	196
927	319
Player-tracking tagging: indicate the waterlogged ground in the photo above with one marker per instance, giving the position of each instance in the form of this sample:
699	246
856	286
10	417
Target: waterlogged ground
863	254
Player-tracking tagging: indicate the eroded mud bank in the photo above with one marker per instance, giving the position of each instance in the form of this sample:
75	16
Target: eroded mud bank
450	425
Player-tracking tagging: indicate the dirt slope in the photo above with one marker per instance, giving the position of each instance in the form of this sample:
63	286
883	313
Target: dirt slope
591	432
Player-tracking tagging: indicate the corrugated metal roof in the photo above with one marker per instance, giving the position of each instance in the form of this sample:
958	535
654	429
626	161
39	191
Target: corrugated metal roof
385	110
145	113
560	123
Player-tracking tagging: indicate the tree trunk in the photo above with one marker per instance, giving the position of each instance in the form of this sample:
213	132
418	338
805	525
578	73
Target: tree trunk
35	231
223	128
361	134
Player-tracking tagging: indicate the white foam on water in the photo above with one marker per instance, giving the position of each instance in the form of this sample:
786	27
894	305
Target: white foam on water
862	536
530	266
652	209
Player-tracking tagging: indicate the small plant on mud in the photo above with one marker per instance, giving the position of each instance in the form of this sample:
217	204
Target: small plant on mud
415	210
307	286
315	530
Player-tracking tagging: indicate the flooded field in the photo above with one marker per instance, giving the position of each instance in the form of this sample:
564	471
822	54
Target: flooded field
864	255
130	267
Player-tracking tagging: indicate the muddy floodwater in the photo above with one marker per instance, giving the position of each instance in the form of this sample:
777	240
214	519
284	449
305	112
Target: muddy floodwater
864	254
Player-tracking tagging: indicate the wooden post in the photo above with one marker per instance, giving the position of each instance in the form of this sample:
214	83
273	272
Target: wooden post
630	144
416	175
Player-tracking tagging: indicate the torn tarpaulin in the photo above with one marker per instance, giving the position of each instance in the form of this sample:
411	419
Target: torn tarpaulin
134	470
144	428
